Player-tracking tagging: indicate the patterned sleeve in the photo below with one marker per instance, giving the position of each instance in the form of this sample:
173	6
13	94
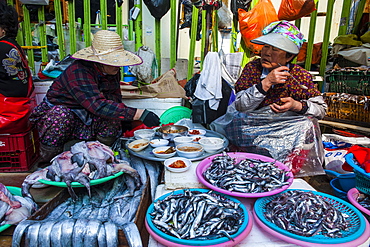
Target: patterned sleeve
304	78
249	76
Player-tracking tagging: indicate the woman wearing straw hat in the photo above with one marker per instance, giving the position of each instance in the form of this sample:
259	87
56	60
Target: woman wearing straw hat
274	81
85	101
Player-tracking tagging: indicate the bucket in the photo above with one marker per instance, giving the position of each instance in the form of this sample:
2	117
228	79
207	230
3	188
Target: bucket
127	75
347	181
338	190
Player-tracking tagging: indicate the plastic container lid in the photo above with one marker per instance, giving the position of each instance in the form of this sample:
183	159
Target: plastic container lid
174	114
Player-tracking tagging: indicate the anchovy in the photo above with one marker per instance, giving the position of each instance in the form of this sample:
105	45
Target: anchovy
194	214
306	214
246	176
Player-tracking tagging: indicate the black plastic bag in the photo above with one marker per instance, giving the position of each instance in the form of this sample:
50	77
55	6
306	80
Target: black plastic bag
202	113
239	4
158	8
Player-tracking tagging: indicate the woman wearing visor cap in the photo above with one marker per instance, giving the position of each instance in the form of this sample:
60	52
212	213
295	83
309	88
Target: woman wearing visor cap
85	101
274	81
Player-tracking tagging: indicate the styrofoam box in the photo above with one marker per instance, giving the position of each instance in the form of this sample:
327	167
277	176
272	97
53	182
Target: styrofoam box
156	105
40	90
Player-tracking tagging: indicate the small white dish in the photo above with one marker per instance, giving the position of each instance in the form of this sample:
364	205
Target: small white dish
171	164
189	150
138	145
160	152
197	132
211	144
144	134
158	143
182	139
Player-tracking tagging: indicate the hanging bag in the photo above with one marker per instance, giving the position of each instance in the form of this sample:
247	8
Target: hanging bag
254	21
292	10
15	111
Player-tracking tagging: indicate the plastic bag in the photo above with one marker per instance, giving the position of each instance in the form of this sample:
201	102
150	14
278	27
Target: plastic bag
292	139
239	4
148	70
254	21
14	113
292	10
158	8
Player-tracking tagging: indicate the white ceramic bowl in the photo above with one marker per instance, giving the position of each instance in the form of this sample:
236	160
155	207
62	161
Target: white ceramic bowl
158	143
189	150
211	144
138	145
182	139
170	161
158	152
144	134
197	132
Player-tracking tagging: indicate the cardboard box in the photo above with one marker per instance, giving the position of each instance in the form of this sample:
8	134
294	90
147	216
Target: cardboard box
139	218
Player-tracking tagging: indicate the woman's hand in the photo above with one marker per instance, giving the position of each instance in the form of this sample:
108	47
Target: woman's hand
289	104
276	76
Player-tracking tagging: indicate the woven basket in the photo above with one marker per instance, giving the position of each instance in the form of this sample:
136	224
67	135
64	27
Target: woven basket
362	177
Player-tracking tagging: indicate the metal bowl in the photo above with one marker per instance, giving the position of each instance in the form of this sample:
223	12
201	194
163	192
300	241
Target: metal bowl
171	131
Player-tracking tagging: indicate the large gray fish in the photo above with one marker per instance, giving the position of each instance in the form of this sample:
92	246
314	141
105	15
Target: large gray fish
19	231
32	234
92	231
153	169
134	205
58	211
56	234
132	235
111	232
138	165
67	231
44	233
79	232
102	237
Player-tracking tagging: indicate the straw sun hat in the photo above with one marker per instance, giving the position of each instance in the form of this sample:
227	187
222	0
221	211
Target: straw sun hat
107	48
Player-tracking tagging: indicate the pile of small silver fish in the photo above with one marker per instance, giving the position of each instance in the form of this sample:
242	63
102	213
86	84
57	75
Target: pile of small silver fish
197	215
364	200
94	220
247	176
306	214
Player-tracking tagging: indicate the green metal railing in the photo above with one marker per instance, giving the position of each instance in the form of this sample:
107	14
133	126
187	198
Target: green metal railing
135	31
